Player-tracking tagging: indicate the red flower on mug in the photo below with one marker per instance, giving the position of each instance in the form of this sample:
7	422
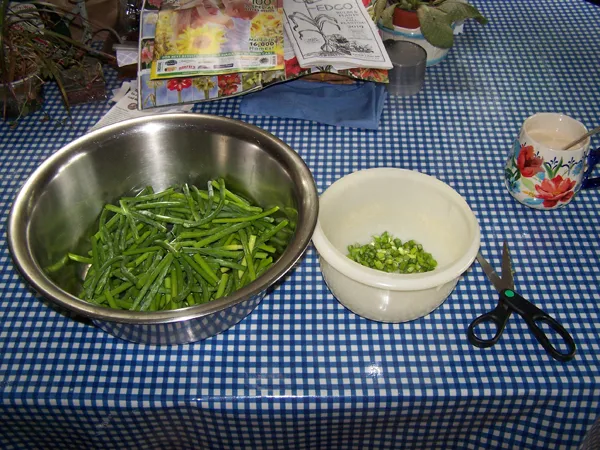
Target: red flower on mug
558	189
179	84
528	163
292	67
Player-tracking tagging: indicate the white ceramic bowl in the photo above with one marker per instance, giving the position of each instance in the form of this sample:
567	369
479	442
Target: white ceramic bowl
409	205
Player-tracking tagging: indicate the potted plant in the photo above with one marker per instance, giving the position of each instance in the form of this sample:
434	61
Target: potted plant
36	45
429	23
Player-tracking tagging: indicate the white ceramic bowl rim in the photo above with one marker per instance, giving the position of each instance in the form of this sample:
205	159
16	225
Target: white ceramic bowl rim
397	282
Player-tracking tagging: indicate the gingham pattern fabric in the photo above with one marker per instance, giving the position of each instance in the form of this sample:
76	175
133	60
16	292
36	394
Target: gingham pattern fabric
302	371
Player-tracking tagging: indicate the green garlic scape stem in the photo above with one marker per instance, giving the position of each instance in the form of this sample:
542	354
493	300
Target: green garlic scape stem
177	248
391	255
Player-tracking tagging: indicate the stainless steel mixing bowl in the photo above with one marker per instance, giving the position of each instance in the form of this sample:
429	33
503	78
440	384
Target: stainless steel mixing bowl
58	206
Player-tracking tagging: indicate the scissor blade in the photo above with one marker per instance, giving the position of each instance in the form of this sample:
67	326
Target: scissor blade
491	274
507	273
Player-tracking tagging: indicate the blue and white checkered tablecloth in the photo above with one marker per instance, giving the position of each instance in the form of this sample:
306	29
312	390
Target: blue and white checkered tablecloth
302	371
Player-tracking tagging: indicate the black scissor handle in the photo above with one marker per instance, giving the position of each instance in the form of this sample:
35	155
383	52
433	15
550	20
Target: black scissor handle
498	316
533	315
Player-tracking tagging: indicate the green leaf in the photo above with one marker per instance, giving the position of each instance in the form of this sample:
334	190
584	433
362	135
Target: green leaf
378	9
408	5
387	17
436	26
558	167
458	10
54	71
528	184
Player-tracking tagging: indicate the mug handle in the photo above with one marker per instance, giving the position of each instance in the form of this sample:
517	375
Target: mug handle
593	159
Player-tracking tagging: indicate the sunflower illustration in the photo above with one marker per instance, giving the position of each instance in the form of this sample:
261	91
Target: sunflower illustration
266	24
204	40
257	28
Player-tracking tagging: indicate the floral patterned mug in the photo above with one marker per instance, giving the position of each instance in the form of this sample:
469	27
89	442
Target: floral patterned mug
538	172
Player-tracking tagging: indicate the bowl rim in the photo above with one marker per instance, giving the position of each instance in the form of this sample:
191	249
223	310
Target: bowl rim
391	281
23	260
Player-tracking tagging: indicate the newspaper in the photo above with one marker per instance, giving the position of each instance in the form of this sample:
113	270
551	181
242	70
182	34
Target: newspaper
339	33
126	99
210	37
176	91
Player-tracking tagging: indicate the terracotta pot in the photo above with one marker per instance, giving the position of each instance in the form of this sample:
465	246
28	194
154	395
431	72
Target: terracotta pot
406	19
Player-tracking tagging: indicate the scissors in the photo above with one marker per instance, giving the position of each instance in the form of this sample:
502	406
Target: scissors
511	301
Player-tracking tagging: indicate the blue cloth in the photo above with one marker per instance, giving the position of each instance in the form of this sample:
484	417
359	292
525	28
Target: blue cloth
345	105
